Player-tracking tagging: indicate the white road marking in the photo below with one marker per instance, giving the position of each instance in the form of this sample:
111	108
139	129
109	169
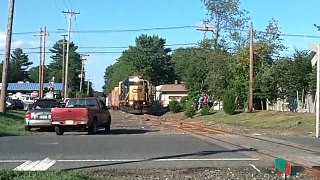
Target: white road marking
254	167
36	165
128	160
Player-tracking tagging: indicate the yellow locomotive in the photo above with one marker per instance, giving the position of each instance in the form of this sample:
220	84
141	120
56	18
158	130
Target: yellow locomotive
134	95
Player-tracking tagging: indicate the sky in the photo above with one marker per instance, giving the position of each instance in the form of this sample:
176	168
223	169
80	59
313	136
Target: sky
293	16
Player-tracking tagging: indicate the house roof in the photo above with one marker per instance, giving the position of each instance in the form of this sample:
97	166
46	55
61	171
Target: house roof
172	88
31	86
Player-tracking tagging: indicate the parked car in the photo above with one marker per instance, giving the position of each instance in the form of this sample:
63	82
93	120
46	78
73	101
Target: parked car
39	113
81	113
18	104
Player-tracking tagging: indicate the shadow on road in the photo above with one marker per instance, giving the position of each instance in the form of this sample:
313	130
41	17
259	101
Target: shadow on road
4	134
130	131
201	153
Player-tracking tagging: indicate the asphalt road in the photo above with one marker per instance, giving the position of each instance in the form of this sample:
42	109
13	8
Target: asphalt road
132	144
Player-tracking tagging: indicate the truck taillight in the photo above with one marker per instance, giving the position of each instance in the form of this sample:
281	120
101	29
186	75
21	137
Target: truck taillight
28	116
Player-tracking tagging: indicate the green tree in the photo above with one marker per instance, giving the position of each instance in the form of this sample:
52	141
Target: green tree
34	74
219	74
191	66
74	65
148	58
19	63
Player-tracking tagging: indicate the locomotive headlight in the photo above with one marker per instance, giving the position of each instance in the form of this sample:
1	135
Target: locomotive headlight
144	103
130	102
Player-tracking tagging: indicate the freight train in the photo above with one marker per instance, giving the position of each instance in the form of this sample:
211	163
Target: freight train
132	95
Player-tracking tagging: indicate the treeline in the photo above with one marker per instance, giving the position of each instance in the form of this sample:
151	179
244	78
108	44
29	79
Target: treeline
20	68
221	64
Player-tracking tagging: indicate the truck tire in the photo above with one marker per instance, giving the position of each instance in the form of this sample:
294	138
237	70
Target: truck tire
92	129
59	130
107	128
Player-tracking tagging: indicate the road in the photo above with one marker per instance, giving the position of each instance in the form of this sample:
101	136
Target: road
132	144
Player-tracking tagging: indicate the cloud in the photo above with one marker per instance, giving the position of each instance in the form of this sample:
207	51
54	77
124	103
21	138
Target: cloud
16	43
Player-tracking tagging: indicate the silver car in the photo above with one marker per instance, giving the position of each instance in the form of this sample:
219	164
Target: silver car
39	113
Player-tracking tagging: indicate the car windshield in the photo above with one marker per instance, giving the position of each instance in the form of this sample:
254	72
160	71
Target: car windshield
82	103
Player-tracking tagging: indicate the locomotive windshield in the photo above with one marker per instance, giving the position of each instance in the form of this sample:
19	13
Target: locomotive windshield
136	83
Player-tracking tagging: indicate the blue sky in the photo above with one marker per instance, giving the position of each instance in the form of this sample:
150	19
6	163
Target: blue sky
294	16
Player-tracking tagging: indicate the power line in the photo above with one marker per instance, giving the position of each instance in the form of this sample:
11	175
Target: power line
57	6
112	47
112	30
70	4
160	28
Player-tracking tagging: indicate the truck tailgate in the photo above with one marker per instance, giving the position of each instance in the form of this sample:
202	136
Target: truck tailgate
70	116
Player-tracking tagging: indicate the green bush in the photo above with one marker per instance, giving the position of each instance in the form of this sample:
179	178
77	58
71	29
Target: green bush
190	110
175	106
229	102
205	110
184	101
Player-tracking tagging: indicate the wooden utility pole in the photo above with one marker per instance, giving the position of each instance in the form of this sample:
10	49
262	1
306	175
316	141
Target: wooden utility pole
5	68
63	62
40	67
44	34
250	108
71	13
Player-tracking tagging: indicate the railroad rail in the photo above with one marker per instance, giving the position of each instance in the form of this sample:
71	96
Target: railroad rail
201	131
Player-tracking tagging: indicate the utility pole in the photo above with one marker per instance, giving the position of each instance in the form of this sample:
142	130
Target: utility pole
40	67
205	28
250	108
316	60
63	62
82	69
44	34
3	95
88	85
71	13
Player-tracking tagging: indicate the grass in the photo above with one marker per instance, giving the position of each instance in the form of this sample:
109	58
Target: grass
49	175
301	123
12	123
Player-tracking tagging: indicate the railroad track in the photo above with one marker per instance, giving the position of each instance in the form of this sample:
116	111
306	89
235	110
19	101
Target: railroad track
203	131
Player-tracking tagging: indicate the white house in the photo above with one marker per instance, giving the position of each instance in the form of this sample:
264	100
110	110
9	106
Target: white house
167	92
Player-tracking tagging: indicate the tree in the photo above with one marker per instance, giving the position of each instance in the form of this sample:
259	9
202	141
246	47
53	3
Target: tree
220	74
19	63
74	69
191	66
148	58
226	15
34	74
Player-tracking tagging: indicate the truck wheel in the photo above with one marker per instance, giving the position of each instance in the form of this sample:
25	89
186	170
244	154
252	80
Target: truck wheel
92	128
59	130
27	128
107	128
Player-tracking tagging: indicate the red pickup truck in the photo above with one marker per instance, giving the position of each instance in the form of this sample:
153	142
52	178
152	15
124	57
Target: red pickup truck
81	113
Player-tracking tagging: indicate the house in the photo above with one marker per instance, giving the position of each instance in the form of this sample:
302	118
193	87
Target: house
167	92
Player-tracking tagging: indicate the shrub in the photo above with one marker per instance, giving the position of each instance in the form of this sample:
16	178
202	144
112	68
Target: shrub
228	102
174	106
190	110
205	110
184	101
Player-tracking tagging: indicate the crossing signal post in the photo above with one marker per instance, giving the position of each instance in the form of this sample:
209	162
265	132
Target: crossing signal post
316	60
